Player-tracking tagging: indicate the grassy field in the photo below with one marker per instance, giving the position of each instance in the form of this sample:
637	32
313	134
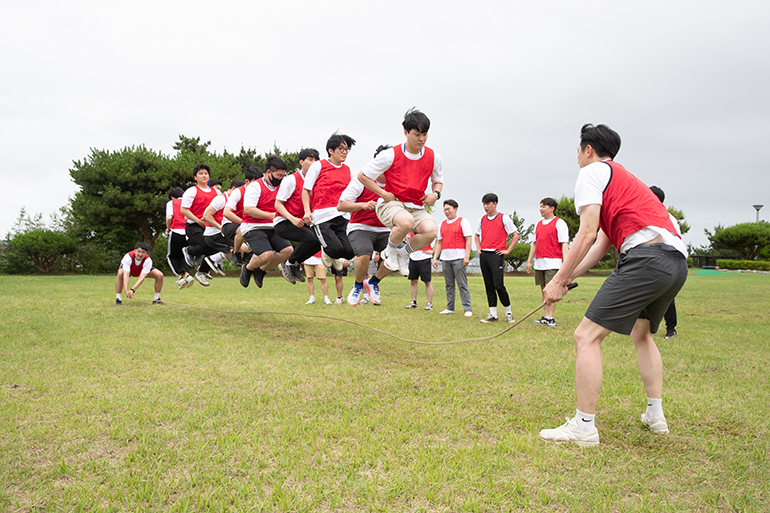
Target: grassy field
174	408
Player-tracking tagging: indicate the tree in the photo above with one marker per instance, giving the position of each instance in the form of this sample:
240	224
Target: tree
684	226
518	255
565	209
44	248
524	231
747	239
191	145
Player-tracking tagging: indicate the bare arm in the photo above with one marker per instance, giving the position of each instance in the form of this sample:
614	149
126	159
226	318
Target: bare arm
306	203
530	257
229	214
208	216
192	217
437	252
281	208
467	259
507	250
372	186
258	214
351	206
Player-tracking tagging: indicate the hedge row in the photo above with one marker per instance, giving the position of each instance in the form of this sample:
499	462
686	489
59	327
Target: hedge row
757	265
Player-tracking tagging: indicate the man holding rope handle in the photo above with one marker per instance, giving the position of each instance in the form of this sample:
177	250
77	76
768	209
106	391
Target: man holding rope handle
651	270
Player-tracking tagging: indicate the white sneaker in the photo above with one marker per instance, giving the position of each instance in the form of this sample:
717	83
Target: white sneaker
202	279
509	317
190	280
469	314
326	259
390	260
310	301
446	312
354	297
339	301
181	283
570	432
657	425
403	263
373	289
429	306
327	301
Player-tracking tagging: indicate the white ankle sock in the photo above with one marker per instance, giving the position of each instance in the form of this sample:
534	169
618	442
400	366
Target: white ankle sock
585	421
654	407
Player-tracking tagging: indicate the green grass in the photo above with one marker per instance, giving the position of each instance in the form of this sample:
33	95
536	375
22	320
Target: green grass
147	407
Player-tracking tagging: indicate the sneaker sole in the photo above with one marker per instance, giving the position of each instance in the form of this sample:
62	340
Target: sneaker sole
368	291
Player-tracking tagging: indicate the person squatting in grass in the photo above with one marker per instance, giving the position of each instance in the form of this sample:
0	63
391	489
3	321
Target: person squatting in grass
194	203
216	226
453	243
175	232
365	231
234	213
617	209
267	248
419	269
406	170
549	251
670	315
137	263
324	183
290	223
492	243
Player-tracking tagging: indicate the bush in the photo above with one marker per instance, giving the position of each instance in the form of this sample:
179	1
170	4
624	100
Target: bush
756	265
39	250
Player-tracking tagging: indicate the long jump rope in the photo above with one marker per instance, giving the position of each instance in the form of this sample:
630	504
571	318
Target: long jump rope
421	342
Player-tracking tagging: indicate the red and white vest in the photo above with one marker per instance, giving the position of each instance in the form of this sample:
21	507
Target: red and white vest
136	270
628	205
219	214
328	186
408	179
367	217
239	205
493	234
201	201
178	221
547	240
294	203
452	234
266	202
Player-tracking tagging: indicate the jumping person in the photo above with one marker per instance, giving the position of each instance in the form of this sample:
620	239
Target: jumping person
234	213
670	315
651	269
324	183
492	243
194	203
365	231
290	223
137	263
406	170
268	249
175	222
453	243
549	251
217	225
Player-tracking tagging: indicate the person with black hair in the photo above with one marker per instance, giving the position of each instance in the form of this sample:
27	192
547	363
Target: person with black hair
670	315
268	249
234	213
406	170
177	240
137	263
216	226
290	222
324	183
617	209
453	244
194	203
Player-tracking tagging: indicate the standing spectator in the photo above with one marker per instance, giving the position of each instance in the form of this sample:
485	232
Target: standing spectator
453	243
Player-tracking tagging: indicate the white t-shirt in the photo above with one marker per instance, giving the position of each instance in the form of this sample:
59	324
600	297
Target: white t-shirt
562	236
322	215
507	224
218	203
351	193
233	199
589	188
285	190
455	253
251	199
382	162
420	255
125	264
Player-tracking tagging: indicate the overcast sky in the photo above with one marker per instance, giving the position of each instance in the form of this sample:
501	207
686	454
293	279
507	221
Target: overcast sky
507	86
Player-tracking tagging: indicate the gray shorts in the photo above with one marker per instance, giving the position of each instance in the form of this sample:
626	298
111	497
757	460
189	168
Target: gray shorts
642	286
365	242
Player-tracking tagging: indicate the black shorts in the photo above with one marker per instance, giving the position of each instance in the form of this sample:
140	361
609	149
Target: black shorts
229	230
642	286
420	269
366	242
261	241
343	272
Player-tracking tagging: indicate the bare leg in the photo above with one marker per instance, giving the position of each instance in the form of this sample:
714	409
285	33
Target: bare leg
277	258
158	280
413	289
429	291
548	310
324	286
424	234
648	356
588	364
361	265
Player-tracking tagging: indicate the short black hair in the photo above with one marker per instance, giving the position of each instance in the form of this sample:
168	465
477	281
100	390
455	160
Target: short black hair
549	202
236	182
336	140
451	202
308	153
142	245
489	197
253	173
274	162
175	192
214	182
416	120
604	140
380	148
659	193
199	167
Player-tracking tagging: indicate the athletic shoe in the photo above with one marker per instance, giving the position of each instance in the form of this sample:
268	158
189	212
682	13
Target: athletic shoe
373	289
157	302
403	263
365	299
390	260
259	276
551	323
446	312
338	264
217	268
429	306
236	259
541	320
657	425
670	333
570	432
118	302
490	318
245	276
326	259
188	257
296	270
208	260
310	301
190	280
412	305
208	276
181	283
339	300
202	279
469	314
287	273
354	297
509	317
327	301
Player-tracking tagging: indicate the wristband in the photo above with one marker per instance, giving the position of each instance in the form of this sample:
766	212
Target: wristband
132	290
